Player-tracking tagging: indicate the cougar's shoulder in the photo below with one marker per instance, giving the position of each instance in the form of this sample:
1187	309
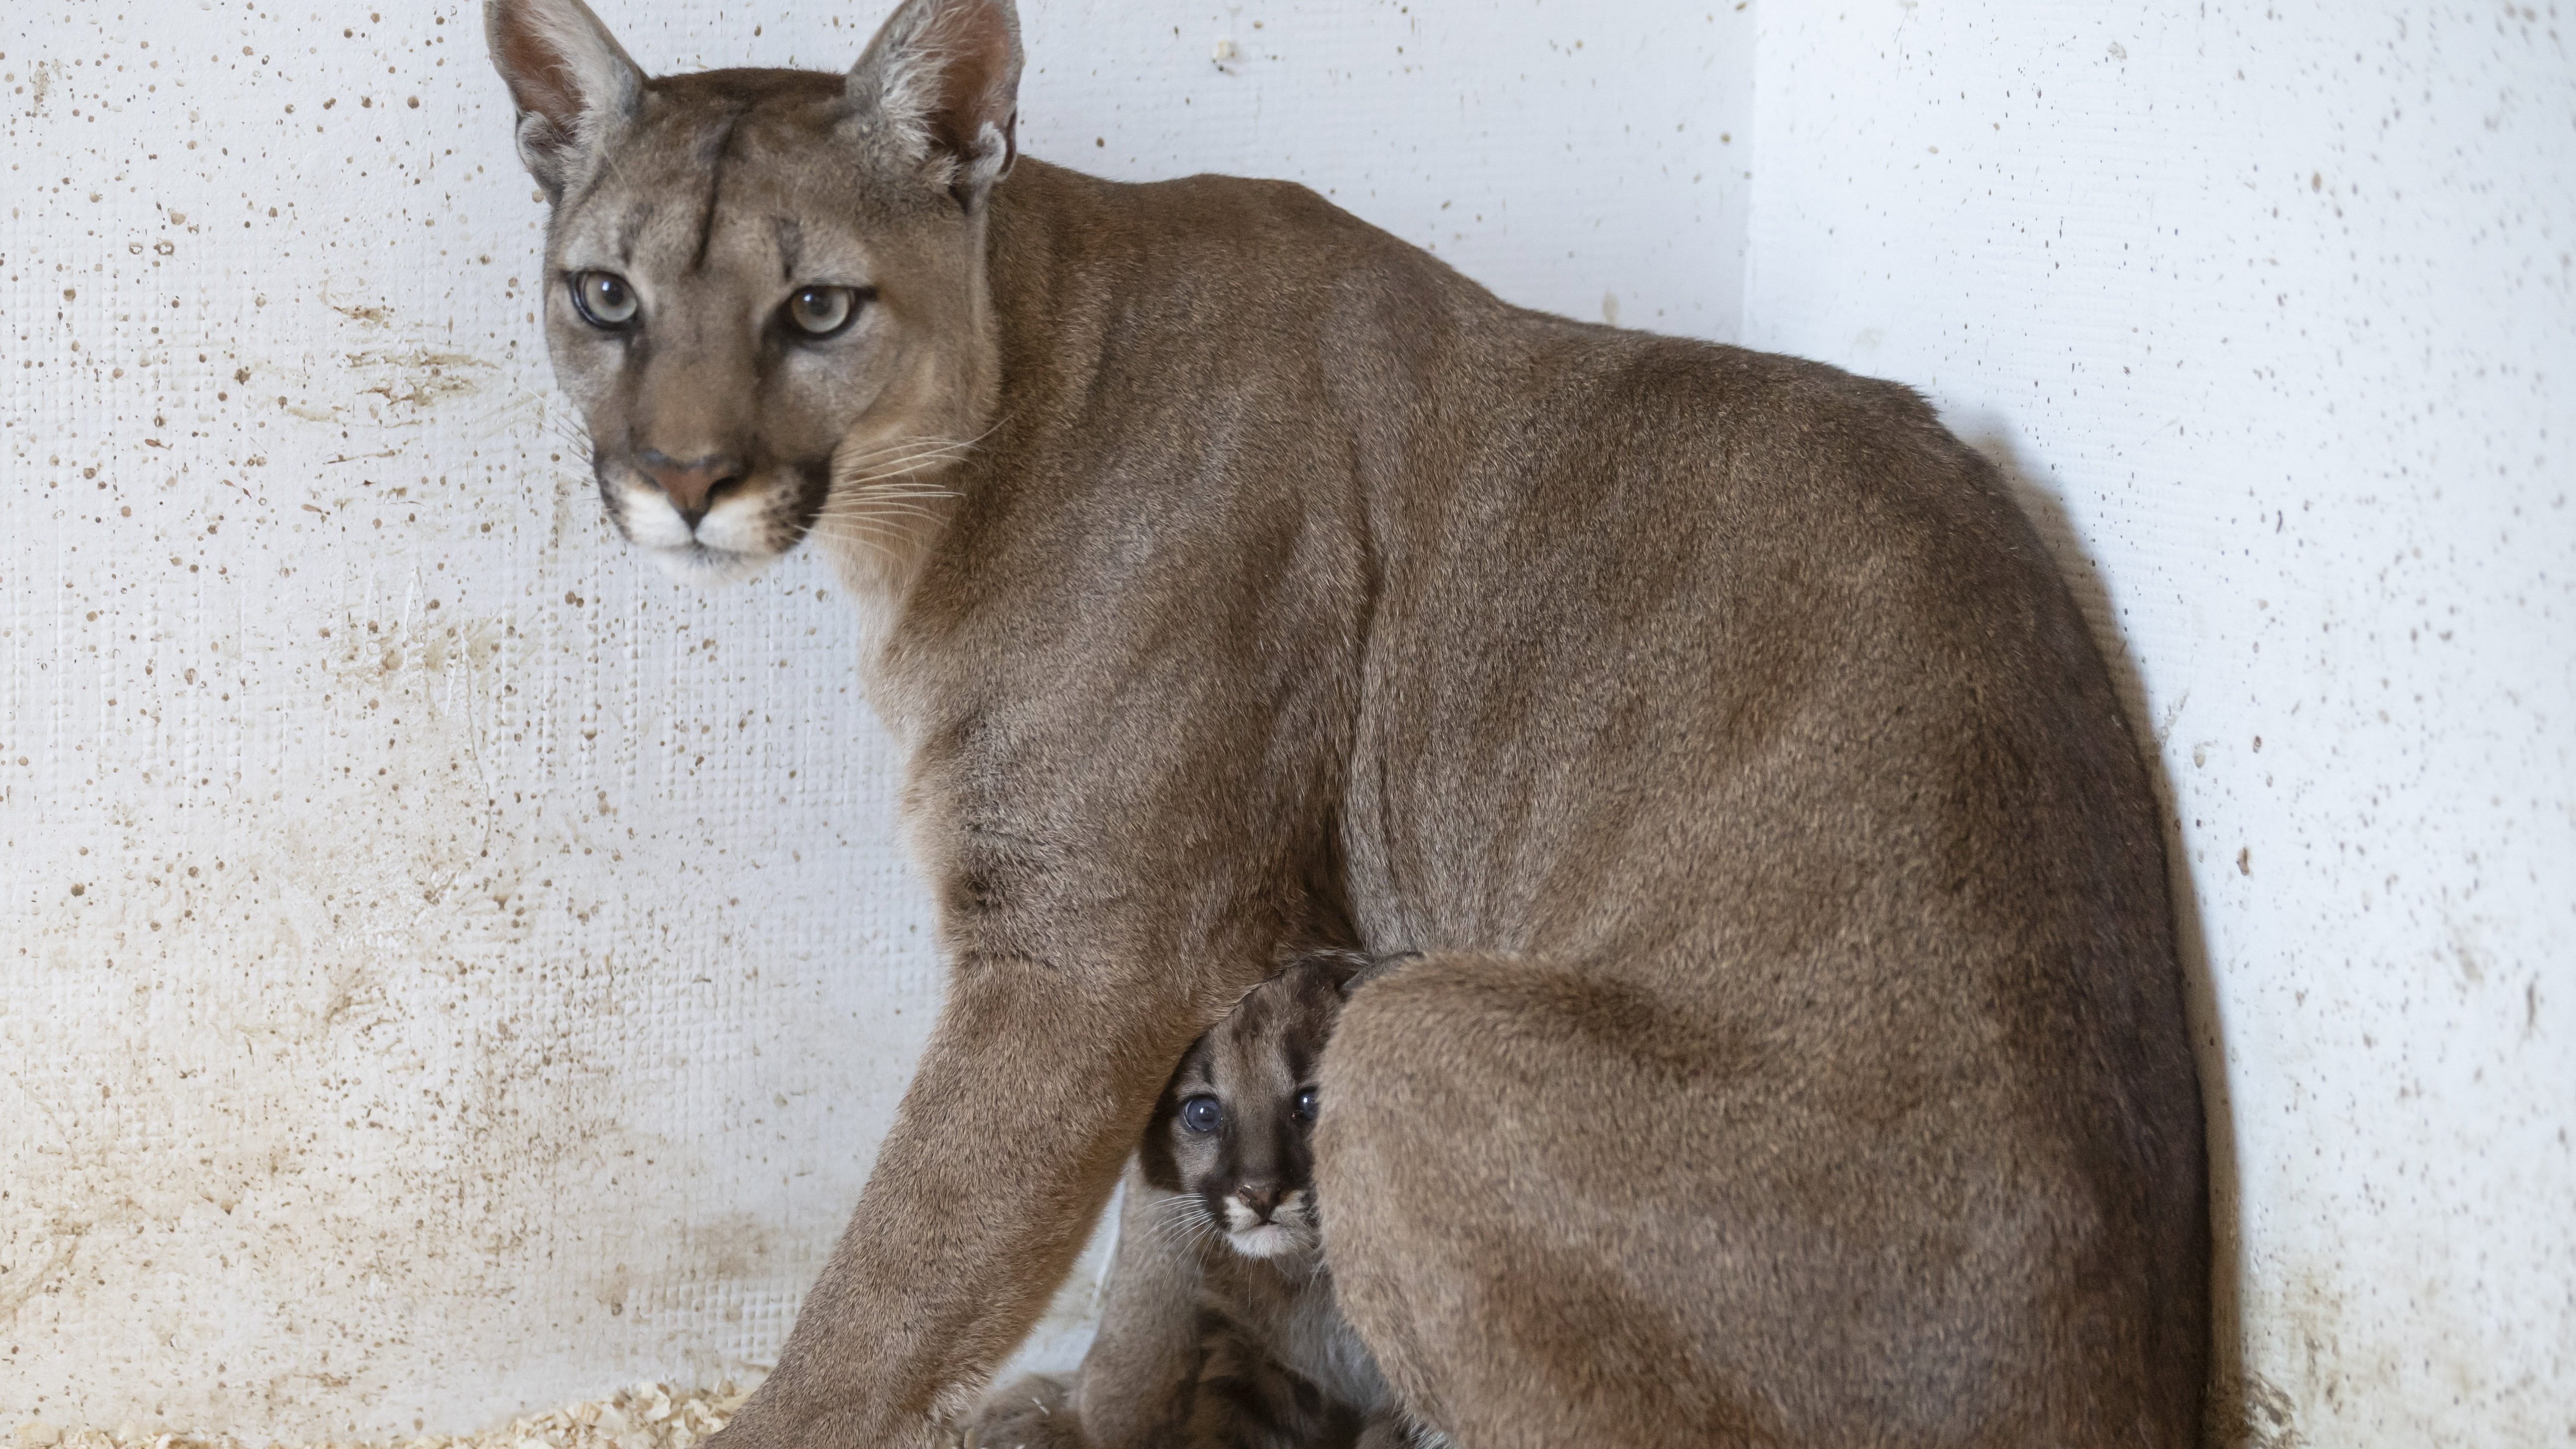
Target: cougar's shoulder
1256	278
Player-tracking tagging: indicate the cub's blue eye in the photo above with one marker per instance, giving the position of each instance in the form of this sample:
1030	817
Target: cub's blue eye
1306	1100
1202	1114
603	299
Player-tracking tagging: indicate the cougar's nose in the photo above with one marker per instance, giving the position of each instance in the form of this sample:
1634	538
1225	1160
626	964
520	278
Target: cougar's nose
1261	1197
690	486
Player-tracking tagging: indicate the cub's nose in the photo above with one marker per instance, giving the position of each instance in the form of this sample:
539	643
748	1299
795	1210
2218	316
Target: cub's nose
1261	1197
690	486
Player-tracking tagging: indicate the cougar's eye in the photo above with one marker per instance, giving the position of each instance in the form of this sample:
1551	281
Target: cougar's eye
603	299
1202	1114
1306	1100
822	311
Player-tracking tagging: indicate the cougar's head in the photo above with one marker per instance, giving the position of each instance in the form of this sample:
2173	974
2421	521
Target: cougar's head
765	288
1231	1137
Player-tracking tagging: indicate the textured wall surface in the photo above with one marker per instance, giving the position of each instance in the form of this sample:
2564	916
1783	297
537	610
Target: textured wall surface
444	968
2271	308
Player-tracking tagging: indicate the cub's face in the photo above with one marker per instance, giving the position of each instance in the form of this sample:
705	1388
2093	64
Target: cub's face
1232	1134
764	288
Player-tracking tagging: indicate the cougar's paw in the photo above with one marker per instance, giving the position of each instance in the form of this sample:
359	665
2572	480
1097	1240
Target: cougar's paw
750	1428
776	1417
1031	1413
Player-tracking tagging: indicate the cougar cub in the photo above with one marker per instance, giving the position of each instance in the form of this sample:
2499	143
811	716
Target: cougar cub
1226	1169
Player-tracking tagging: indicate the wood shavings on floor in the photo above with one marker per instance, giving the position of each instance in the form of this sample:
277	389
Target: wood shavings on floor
647	1416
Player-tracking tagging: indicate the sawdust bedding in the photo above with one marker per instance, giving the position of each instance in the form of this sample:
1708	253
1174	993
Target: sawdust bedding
648	1416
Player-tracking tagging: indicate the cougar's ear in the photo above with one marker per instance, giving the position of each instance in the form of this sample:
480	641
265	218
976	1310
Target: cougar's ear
1350	970
942	82
572	82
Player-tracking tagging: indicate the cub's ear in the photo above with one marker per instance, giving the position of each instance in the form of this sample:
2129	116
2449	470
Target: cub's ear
1350	970
942	81
572	82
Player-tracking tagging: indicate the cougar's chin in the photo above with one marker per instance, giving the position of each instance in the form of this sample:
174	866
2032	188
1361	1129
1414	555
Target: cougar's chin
1286	1236
1274	1242
739	536
1266	1241
699	564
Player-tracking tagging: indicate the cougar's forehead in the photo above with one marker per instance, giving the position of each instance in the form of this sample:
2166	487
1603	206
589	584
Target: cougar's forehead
1273	1039
756	179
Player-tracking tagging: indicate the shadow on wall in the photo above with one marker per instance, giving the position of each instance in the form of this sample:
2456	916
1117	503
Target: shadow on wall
2244	1411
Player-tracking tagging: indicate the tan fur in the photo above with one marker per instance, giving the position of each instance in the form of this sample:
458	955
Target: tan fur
1797	1055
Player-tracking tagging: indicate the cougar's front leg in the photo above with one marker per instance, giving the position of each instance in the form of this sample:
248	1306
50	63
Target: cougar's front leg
1032	1091
1133	1389
1086	950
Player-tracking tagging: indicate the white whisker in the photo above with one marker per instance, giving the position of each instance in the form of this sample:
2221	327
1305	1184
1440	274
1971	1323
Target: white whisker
859	523
878	457
909	447
899	452
873	460
858	493
1183	1223
863	527
898	483
913	440
885	509
857	528
876	510
888	478
880	550
867	504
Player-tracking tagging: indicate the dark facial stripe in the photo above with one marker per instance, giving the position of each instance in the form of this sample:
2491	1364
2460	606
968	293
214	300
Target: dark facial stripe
722	152
628	230
791	247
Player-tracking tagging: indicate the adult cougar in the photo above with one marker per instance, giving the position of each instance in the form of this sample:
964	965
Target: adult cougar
1797	1050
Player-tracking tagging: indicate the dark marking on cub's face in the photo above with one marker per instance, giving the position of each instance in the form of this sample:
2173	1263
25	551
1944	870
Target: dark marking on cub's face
1233	1133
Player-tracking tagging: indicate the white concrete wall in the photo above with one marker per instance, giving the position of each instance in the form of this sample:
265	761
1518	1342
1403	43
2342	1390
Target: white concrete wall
444	968
2271	311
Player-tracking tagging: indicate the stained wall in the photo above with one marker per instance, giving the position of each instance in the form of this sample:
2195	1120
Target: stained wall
445	968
